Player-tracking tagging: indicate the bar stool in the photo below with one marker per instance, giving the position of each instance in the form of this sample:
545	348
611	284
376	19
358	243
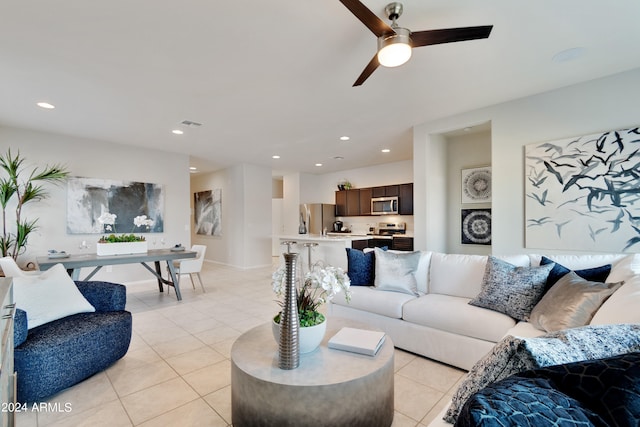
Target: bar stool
310	245
289	243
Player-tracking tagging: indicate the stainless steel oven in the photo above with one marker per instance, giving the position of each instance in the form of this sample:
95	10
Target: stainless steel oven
384	206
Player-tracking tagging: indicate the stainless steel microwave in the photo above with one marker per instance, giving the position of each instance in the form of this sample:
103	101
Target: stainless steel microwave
384	206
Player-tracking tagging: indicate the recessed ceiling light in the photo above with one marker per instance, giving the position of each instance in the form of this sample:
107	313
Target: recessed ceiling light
338	157
177	131
344	138
193	168
275	156
386	150
318	164
467	129
46	105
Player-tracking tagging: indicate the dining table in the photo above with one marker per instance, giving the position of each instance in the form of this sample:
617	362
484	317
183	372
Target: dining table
75	262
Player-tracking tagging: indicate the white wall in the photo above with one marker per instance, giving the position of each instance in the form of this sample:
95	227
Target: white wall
99	159
246	216
599	105
464	152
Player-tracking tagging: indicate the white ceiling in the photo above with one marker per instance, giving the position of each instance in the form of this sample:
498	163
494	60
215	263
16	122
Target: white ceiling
275	77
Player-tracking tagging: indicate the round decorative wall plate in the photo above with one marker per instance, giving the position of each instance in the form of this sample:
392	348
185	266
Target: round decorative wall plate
476	185
476	226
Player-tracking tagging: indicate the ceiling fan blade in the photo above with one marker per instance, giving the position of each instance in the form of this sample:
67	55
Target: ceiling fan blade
449	35
368	70
368	18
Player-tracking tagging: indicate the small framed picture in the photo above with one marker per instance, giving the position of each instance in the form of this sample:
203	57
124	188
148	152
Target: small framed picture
476	226
476	185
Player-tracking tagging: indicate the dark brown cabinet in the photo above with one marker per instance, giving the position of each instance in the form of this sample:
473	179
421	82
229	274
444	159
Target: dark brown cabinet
348	202
405	199
357	201
365	201
353	202
360	244
402	243
341	203
386	191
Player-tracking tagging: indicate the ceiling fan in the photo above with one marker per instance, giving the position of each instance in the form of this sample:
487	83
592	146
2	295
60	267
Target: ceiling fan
395	43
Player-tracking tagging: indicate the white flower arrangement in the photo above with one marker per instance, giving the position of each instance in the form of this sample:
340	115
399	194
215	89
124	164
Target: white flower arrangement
321	284
108	221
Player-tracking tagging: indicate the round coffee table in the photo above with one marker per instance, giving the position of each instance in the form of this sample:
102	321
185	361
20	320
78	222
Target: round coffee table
329	388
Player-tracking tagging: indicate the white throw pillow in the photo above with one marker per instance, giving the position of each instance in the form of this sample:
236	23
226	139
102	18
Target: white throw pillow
49	296
396	271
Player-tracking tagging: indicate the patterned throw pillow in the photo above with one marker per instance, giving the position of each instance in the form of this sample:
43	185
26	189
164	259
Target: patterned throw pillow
511	290
596	274
571	302
513	355
360	267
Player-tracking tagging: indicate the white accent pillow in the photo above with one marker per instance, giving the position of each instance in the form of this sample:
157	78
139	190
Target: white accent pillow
396	271
49	296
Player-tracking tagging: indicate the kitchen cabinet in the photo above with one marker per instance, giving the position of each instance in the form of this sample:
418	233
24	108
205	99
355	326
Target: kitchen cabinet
360	244
353	202
348	202
365	201
357	201
401	243
378	243
341	203
405	199
385	191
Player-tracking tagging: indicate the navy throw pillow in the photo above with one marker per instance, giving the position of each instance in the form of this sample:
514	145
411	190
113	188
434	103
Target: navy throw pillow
361	267
596	274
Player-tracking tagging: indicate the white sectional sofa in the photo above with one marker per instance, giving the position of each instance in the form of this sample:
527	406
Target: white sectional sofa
440	324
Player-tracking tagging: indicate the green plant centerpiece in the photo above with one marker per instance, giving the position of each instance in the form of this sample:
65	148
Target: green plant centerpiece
320	284
22	187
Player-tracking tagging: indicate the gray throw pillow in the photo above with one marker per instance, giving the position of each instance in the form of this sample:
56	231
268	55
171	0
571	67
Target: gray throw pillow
571	302
511	290
396	271
513	355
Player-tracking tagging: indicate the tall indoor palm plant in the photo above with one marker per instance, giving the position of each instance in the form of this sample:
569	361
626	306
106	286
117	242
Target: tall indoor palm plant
25	187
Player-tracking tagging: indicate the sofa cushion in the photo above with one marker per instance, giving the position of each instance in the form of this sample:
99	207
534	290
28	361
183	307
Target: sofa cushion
510	289
368	299
571	302
525	330
513	355
456	275
594	274
455	315
622	306
396	271
461	275
49	296
624	268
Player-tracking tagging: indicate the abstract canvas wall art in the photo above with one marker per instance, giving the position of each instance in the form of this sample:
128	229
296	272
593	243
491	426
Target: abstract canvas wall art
89	198
208	210
476	226
476	185
583	193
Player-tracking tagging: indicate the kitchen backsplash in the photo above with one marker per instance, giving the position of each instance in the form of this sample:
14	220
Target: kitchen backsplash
361	224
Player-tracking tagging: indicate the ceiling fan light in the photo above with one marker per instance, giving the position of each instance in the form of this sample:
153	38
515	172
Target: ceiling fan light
395	49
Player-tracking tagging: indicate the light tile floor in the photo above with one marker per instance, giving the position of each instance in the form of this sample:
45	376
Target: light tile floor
177	370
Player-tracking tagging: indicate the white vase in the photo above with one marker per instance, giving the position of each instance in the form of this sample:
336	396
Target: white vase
310	337
121	248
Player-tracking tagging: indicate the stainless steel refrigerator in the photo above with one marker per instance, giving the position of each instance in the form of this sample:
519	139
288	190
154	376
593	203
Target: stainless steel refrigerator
318	216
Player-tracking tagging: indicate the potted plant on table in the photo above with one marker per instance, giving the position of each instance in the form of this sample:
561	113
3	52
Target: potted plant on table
124	243
319	286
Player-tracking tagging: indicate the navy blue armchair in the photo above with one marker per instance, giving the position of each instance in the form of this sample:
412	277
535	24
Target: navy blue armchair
59	354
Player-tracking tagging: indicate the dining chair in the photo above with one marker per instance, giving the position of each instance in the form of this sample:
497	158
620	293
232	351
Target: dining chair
191	266
11	269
